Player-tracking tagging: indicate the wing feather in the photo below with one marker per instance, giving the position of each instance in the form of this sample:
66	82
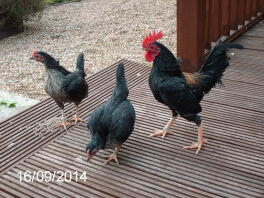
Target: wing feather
179	96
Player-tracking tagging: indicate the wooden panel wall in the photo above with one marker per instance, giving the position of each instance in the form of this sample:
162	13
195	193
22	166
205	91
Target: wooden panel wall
201	22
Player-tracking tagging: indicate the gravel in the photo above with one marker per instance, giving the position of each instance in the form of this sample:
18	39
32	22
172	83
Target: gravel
105	31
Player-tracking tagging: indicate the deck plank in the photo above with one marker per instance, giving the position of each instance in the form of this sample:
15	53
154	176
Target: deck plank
231	164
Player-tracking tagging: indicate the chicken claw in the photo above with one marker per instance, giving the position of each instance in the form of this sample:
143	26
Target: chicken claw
197	145
166	129
76	119
113	156
161	133
200	142
64	124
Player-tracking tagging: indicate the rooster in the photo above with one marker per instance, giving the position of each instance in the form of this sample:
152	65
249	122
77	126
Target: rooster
182	92
111	123
62	85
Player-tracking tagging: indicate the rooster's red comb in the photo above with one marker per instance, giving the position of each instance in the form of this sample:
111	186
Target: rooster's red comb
151	38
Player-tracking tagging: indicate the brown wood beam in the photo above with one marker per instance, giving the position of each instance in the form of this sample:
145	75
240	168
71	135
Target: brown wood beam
233	14
260	6
190	33
241	12
225	26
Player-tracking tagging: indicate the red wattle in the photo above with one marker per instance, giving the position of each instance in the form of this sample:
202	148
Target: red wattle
149	57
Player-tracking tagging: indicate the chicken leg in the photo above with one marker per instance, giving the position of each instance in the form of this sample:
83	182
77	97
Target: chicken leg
201	140
165	130
64	123
76	118
113	156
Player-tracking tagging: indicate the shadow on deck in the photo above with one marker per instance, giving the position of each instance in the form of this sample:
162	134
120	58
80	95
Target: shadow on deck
231	164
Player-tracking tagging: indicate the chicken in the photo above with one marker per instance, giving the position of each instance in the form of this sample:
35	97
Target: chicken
111	123
62	85
182	92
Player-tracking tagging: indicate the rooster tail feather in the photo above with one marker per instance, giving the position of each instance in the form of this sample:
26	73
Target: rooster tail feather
121	89
215	65
80	64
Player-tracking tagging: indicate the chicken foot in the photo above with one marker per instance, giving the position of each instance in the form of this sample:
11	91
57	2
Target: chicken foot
64	123
113	156
76	118
165	130
201	140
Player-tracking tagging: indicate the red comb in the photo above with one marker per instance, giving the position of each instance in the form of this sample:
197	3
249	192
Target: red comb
34	52
151	38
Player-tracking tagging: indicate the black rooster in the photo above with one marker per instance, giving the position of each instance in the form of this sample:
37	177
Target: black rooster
182	92
64	86
111	123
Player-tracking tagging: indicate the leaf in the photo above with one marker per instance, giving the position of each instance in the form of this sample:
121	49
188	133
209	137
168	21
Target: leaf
8	104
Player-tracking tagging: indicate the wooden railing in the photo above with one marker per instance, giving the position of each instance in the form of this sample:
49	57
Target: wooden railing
201	23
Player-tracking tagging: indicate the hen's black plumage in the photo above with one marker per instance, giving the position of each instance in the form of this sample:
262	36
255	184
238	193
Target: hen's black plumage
182	92
111	123
62	85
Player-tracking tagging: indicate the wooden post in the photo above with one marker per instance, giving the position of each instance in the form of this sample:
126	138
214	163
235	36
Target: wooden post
241	12
260	6
248	9
234	14
215	20
190	33
225	26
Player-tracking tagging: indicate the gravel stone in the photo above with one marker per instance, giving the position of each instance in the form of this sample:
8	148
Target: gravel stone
105	31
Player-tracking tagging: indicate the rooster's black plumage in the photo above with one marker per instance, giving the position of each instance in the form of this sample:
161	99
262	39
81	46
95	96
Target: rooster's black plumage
182	92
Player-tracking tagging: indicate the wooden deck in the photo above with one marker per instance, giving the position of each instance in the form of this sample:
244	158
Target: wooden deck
231	164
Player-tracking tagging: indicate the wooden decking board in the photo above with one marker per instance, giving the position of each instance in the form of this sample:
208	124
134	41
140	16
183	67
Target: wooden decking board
108	85
228	135
217	111
93	177
179	139
57	156
252	42
97	95
230	165
99	161
199	167
132	176
230	132
108	78
229	98
54	188
57	187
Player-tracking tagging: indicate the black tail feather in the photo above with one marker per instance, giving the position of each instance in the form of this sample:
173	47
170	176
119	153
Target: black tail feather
121	89
120	72
215	65
80	64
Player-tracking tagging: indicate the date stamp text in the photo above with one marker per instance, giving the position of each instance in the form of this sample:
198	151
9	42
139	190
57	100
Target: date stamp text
52	176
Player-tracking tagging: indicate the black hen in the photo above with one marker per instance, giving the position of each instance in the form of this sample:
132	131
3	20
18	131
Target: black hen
111	123
63	86
182	92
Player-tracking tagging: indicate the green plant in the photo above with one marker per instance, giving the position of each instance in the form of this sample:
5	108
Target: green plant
8	104
50	2
16	11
